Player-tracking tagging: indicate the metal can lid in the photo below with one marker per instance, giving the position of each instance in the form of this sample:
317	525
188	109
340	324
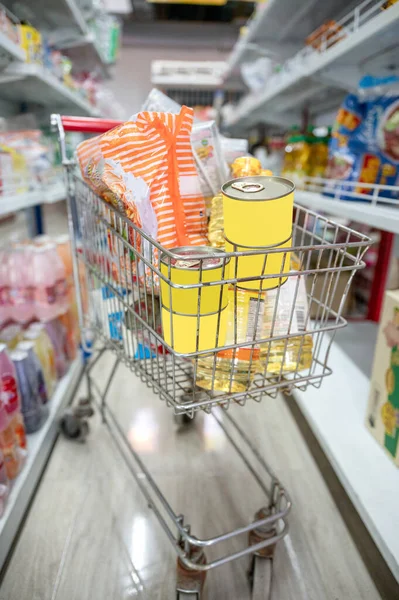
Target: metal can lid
25	345
2	347
187	259
259	188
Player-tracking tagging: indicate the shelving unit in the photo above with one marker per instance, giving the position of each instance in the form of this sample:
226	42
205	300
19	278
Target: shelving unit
39	448
369	37
31	83
374	208
337	413
67	28
276	21
9	51
50	194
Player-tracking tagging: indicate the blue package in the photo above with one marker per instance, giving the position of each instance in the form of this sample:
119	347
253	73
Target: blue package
364	146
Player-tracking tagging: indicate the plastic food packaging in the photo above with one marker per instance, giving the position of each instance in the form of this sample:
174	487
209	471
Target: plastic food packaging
364	146
233	148
146	169
246	166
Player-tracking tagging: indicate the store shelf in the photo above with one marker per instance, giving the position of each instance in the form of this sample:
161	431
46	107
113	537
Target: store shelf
46	195
375	215
9	50
276	21
39	448
31	83
65	25
336	413
322	77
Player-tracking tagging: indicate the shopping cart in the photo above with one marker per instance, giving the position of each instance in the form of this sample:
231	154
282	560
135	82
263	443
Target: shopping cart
118	277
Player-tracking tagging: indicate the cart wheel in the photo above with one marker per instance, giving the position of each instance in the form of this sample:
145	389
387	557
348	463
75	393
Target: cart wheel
74	427
183	419
260	577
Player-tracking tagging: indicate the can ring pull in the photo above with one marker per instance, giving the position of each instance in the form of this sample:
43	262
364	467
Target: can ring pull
248	186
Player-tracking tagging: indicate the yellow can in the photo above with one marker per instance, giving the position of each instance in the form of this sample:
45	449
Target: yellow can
194	265
269	262
258	210
211	331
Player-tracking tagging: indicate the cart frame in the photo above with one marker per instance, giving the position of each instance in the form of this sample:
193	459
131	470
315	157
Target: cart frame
171	375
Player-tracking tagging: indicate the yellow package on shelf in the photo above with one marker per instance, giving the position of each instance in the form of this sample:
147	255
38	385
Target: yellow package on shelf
30	40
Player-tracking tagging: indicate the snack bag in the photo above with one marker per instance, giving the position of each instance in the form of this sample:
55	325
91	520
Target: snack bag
145	168
365	140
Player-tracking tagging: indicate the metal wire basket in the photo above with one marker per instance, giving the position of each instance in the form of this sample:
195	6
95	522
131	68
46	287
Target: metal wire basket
122	299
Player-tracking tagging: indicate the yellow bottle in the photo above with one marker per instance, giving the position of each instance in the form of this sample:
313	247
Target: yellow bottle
232	370
216	223
282	356
45	353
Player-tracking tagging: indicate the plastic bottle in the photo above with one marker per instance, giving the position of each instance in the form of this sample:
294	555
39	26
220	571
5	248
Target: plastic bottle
9	444
45	353
33	411
233	370
49	280
9	395
21	285
11	336
5	309
29	348
57	334
4	484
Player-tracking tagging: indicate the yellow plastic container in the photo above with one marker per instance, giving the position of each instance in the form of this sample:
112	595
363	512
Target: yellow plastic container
187	271
259	264
185	328
258	210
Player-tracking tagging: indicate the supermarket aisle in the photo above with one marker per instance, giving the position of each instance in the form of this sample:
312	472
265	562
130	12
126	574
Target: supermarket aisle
90	534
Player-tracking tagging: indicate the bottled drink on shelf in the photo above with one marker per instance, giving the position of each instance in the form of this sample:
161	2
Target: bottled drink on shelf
11	336
4	484
9	395
28	347
5	312
21	288
49	280
57	335
232	370
45	353
9	444
33	411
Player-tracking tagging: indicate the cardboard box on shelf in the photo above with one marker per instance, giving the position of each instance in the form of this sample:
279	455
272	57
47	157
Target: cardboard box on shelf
383	407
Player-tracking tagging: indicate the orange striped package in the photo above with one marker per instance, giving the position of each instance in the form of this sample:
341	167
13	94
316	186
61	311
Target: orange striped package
146	169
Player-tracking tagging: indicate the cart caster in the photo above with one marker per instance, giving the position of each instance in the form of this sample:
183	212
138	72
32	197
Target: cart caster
74	424
262	534
190	583
260	578
74	427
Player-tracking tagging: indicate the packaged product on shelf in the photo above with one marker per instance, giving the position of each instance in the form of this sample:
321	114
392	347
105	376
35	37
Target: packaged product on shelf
30	40
9	395
275	158
28	347
319	156
14	175
9	444
364	146
297	163
383	406
45	353
4	484
33	411
7	26
325	36
162	196
11	336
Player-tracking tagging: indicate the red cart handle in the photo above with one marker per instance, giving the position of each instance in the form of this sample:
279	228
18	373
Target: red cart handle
88	124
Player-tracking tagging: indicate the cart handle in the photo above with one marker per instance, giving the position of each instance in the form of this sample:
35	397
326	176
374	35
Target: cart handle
88	124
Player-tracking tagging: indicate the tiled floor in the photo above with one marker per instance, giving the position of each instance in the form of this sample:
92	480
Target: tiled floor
90	533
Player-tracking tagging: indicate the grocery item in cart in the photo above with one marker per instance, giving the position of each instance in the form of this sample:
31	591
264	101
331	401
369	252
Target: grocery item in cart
246	166
33	411
258	210
233	369
146	169
286	313
194	266
364	146
9	395
207	148
274	260
233	148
